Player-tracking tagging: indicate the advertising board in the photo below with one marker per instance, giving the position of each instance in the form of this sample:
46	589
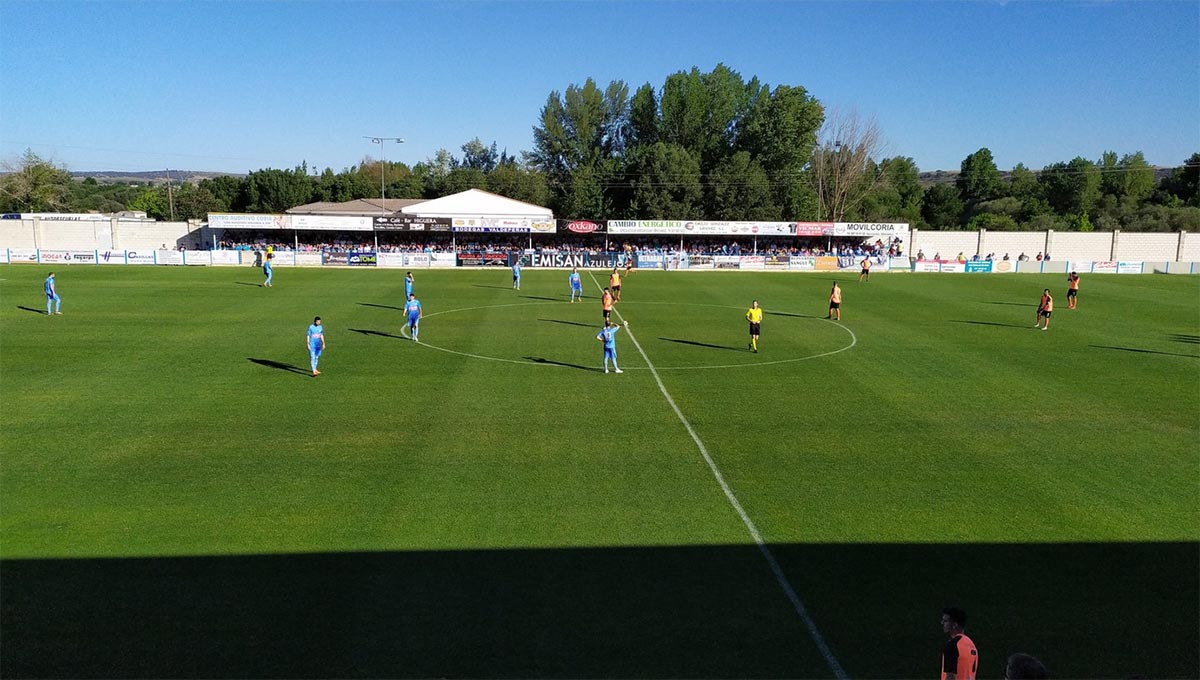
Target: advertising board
3	255
954	267
361	259
173	257
442	260
814	228
582	226
826	263
1104	268
865	229
803	264
726	262
336	260
308	259
224	257
1129	267
1005	266
1079	267
139	257
979	267
245	221
197	257
776	261
330	222
22	255
927	266
753	262
645	226
110	257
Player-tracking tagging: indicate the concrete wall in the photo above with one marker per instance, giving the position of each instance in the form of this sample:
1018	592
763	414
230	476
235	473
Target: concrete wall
17	234
106	234
946	243
1013	243
150	235
1149	247
1074	245
1190	250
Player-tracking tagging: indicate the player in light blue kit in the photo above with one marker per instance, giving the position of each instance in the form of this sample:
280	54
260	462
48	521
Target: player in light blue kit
408	285
52	299
517	274
267	269
413	309
608	335
576	285
315	343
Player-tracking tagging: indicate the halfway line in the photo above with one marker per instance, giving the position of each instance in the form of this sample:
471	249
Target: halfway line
788	590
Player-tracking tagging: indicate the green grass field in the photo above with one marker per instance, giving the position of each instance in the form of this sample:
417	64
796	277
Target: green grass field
178	497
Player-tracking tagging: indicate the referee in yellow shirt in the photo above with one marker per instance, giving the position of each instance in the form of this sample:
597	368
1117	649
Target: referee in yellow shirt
754	316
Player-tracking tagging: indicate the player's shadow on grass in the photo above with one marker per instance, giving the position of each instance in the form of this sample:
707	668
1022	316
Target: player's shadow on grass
247	283
1014	304
1146	351
1190	339
795	316
571	323
536	297
991	323
702	611
372	304
31	309
484	285
368	331
551	362
704	344
271	363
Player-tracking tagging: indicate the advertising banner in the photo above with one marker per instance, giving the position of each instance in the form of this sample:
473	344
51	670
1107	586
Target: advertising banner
954	267
168	257
442	260
3	255
1079	267
418	259
55	256
654	261
308	259
700	262
726	262
712	228
804	264
22	255
224	257
361	259
1129	267
899	263
649	227
82	257
336	260
411	223
814	228
111	257
542	226
390	260
1005	266
282	258
777	261
979	266
927	266
245	221
1104	268
330	222
826	263
581	227
865	229
558	260
139	257
197	257
483	259
753	262
494	225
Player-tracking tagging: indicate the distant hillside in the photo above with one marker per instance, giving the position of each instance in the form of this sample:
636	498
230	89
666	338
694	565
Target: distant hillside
150	176
932	177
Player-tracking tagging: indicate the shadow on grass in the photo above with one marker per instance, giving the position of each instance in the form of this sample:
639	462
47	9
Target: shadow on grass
247	283
368	331
1146	351
1190	339
796	316
705	344
271	363
31	309
991	323
551	362
571	323
690	611
372	304
1014	304
535	297
484	285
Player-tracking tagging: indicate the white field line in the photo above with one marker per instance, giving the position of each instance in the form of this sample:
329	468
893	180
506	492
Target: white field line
788	590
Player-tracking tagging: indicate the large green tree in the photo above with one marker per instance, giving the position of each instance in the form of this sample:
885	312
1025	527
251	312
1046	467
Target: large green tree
33	184
978	178
739	189
666	183
941	207
1071	188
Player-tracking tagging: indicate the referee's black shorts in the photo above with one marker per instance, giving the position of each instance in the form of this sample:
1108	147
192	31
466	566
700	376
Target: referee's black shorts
754	327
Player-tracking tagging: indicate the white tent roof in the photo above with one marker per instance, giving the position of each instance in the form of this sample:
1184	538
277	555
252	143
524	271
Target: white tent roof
476	203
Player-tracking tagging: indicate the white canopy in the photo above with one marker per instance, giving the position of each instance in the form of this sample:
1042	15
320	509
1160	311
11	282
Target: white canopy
477	203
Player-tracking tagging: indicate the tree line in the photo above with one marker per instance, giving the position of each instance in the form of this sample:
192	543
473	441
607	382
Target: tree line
704	145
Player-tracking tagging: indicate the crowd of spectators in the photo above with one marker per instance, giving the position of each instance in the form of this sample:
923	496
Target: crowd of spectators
408	242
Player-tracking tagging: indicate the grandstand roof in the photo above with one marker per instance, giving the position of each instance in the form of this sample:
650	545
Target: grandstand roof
361	206
475	203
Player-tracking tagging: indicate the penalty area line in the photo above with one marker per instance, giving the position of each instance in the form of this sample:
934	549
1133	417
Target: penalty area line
788	590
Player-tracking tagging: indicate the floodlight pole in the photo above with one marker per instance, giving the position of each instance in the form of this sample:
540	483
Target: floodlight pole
383	164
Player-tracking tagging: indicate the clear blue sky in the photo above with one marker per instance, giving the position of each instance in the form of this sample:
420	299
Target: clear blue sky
238	86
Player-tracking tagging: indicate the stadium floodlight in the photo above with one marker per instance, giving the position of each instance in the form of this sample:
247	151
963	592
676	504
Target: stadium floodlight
383	164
